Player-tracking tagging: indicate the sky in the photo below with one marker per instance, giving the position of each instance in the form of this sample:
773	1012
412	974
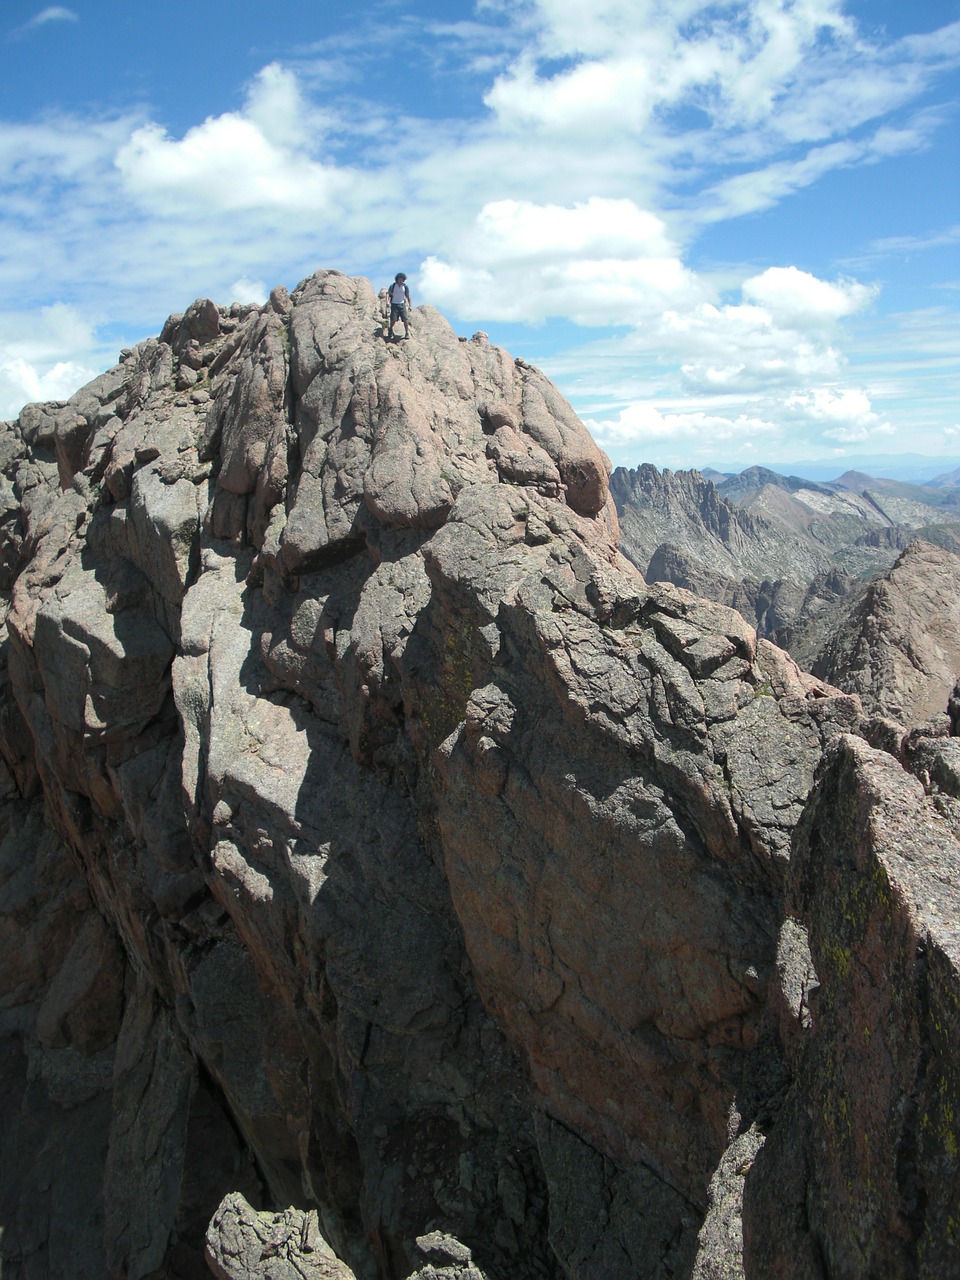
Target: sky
729	232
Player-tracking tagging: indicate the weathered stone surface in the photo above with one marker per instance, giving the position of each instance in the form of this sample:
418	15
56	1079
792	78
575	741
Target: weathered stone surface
861	1174
61	979
899	648
243	1244
436	849
450	1260
112	1157
720	1252
799	558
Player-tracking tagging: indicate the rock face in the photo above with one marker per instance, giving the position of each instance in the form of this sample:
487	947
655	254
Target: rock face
381	847
899	646
861	1175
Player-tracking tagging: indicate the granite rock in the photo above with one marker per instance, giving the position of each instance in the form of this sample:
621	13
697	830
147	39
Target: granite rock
432	872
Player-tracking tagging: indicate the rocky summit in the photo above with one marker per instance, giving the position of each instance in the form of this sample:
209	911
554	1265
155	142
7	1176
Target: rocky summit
395	884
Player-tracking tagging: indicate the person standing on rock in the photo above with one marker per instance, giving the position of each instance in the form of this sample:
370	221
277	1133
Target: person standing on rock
399	304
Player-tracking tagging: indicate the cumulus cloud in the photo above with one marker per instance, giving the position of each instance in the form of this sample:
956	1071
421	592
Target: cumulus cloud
45	355
799	299
773	421
740	346
23	383
244	290
772	63
519	229
763	372
627	60
783	331
610	136
254	159
614	94
598	262
848	413
611	263
646	424
763	77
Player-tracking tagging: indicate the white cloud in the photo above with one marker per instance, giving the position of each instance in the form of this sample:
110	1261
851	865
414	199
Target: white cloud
758	189
276	105
22	383
244	290
776	64
720	379
599	262
42	335
799	299
739	347
226	163
646	425
519	229
614	94
774	422
612	134
53	13
765	76
917	243
848	412
45	355
782	333
255	159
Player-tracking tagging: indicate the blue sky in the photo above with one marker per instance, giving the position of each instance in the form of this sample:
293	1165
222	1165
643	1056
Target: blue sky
729	231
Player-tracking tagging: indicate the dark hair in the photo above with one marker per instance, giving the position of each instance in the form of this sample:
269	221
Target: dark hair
399	276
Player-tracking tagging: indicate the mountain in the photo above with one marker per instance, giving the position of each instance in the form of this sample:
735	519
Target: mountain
818	547
912	468
747	483
678	527
395	883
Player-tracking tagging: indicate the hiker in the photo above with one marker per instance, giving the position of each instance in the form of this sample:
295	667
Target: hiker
399	304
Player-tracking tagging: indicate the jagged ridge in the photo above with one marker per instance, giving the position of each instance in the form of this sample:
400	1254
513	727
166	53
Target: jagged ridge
402	854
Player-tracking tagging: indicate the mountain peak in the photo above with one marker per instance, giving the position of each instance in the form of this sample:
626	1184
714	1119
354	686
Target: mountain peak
379	847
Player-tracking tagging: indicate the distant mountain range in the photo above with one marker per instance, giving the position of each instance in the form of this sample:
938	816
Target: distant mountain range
794	555
913	468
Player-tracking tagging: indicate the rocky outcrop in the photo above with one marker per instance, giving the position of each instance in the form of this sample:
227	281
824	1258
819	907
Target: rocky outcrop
428	870
861	1175
899	646
243	1244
